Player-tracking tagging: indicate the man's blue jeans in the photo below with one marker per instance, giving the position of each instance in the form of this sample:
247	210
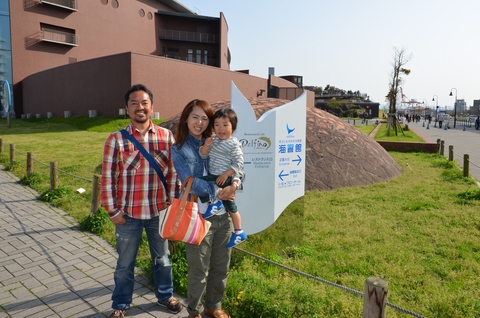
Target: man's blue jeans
129	236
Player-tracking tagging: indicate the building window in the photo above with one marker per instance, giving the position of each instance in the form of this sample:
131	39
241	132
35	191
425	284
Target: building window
215	58
205	57
141	13
190	55
169	51
199	56
115	4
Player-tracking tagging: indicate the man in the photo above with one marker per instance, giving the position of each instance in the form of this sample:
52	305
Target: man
440	121
133	194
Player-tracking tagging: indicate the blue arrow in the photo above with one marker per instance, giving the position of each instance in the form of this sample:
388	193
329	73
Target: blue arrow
282	175
299	160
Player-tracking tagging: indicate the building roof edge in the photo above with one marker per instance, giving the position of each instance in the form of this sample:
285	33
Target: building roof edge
177	6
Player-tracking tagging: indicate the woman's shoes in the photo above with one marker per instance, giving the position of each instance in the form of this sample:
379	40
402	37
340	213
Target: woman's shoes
217	313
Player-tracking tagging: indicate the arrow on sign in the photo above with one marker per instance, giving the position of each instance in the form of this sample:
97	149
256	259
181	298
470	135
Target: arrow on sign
298	160
282	175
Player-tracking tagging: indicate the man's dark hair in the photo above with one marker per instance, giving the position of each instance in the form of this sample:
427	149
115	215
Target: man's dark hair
135	88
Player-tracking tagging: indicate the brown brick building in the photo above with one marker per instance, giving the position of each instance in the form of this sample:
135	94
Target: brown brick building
81	56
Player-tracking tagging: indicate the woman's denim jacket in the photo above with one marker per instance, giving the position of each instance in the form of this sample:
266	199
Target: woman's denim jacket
187	163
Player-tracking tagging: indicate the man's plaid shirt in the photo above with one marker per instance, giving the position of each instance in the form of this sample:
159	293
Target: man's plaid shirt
129	183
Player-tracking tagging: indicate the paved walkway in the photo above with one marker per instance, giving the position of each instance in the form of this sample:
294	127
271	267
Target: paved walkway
463	142
50	269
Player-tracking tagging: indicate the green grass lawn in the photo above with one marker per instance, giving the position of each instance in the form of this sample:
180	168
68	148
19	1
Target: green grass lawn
419	231
407	135
384	134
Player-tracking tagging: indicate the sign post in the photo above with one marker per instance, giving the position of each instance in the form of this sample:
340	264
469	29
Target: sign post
274	155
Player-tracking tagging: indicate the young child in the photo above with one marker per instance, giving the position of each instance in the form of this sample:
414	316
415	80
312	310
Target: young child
226	165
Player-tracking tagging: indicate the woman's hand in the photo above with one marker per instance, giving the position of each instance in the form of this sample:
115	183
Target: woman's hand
227	193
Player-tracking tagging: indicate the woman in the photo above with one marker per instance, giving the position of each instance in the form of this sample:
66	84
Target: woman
211	255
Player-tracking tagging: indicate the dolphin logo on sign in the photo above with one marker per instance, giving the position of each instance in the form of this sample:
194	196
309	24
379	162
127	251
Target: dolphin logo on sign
289	131
273	157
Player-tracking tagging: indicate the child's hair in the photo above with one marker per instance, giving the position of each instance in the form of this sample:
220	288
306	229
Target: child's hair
227	113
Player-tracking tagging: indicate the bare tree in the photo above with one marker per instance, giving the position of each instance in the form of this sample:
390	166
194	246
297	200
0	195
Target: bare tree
400	59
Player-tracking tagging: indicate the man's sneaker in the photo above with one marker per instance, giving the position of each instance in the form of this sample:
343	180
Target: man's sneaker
117	313
212	209
236	239
172	305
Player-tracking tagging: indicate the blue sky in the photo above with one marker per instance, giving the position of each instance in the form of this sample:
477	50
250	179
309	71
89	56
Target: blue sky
350	44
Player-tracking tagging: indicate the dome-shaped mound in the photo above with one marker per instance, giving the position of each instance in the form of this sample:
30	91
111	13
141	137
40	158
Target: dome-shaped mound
338	154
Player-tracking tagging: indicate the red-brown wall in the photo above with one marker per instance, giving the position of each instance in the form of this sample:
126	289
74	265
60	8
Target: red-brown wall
102	30
100	84
224	63
96	84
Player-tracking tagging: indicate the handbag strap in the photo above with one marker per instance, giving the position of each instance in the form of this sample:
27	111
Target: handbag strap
147	156
192	197
187	184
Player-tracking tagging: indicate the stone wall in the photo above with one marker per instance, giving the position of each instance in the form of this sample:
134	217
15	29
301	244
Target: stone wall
404	146
401	146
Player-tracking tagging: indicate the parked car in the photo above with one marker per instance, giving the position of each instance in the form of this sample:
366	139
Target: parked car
472	117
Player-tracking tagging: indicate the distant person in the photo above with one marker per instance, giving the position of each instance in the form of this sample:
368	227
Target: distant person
226	162
477	122
133	194
440	121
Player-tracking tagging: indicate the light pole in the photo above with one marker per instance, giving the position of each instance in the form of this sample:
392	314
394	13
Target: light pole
436	108
436	104
455	107
425	106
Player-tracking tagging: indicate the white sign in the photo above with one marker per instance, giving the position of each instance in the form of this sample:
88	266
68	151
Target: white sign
274	155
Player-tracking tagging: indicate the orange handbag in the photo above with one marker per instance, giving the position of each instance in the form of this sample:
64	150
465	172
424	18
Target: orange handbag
181	221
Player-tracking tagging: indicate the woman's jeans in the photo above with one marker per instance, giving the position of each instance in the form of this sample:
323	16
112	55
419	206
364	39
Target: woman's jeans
128	237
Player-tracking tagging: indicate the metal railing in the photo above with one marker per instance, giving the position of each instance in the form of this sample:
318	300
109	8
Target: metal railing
69	4
210	62
59	37
188	36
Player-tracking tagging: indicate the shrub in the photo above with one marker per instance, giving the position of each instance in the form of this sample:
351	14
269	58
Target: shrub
96	223
51	195
32	179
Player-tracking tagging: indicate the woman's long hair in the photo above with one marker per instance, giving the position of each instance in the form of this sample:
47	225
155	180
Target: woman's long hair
182	132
